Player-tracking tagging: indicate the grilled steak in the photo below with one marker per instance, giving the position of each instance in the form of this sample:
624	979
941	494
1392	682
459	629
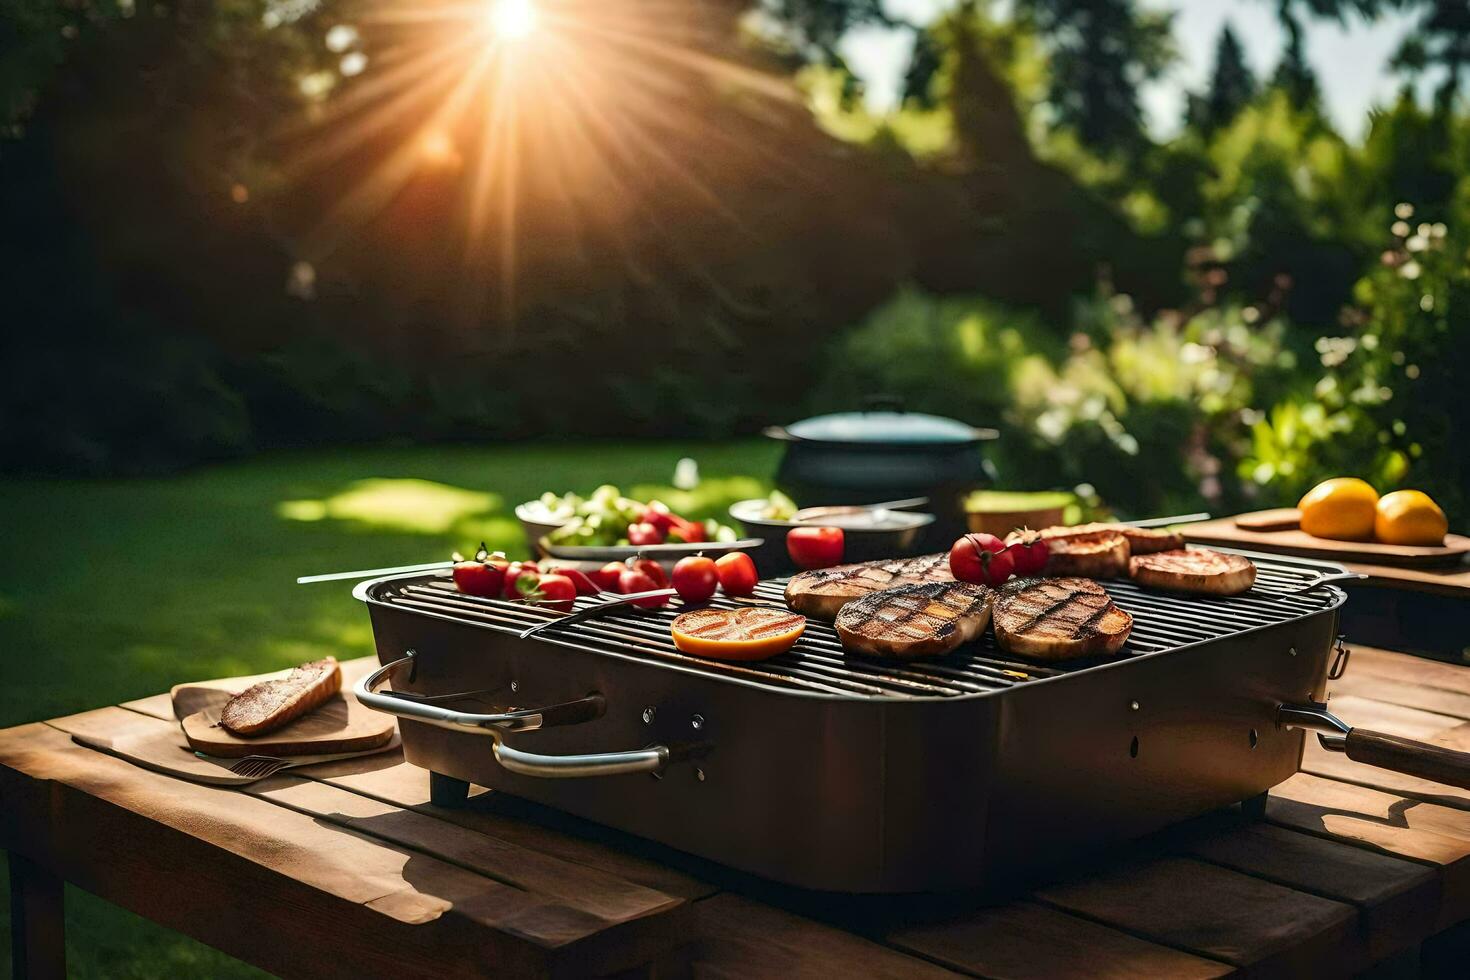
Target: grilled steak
1141	540
1194	570
923	620
266	706
823	592
1091	554
1059	619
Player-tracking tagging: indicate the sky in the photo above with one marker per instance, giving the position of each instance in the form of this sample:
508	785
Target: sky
1351	60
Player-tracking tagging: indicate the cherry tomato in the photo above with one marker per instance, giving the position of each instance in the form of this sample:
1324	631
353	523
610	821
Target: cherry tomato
1030	551
583	582
641	534
555	591
815	547
513	574
657	513
689	531
982	559
737	573
695	578
653	570
607	575
482	575
636	580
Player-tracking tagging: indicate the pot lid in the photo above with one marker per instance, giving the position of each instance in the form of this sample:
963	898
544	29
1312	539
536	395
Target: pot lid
907	428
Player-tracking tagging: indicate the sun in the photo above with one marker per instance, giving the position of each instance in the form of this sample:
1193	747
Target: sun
511	20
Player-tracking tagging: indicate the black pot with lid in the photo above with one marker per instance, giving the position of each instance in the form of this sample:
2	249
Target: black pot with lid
886	453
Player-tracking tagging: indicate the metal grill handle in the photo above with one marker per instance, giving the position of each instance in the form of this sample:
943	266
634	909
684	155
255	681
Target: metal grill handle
1432	762
651	759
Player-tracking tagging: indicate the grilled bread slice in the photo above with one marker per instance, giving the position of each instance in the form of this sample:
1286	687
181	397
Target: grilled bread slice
266	706
925	620
1141	540
821	593
1092	554
1194	570
1059	619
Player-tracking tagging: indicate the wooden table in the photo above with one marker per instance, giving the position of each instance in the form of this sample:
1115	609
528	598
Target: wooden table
347	869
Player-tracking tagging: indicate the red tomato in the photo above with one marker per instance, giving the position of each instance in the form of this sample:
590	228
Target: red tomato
1030	551
513	574
482	575
690	531
982	559
737	573
555	591
653	570
695	578
636	580
607	575
657	513
583	582
815	547
642	534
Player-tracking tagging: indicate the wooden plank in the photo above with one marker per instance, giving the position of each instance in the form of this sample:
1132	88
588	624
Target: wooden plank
37	921
230	869
1386	688
388	778
1397	899
1434	835
1220	914
741	938
1336	765
1396	719
1408	668
1025	940
1294	541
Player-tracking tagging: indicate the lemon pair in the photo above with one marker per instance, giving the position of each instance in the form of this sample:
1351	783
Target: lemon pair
1348	509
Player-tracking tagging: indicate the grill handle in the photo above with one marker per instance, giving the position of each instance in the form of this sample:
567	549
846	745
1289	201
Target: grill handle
1432	762
404	705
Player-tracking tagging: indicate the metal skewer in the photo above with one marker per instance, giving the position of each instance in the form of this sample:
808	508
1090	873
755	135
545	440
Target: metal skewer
1166	521
596	610
373	572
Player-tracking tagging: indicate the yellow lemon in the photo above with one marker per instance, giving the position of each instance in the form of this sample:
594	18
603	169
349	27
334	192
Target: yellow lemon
1343	509
1409	517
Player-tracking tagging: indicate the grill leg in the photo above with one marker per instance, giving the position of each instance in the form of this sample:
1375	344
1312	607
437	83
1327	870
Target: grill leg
1254	808
446	790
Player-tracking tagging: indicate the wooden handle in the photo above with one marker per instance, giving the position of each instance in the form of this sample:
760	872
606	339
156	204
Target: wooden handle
1432	762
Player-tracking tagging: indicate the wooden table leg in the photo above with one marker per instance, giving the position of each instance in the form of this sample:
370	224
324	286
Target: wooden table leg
37	921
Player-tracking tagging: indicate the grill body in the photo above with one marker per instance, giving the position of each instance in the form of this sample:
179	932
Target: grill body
843	774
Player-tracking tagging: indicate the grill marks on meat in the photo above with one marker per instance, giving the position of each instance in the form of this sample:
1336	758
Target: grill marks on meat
1059	619
1194	570
823	592
927	619
266	706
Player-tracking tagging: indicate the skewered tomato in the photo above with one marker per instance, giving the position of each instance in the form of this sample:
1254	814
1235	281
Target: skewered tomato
516	571
1029	551
696	578
815	547
555	591
482	575
747	633
636	580
737	573
982	559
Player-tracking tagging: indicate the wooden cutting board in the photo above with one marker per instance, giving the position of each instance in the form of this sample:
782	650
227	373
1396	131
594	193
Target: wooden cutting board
1244	531
340	725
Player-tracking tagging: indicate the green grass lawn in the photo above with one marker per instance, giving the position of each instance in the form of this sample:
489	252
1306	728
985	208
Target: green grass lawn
117	589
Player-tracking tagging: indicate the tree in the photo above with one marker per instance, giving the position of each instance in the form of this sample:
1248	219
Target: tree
1441	40
1102	51
1232	86
1294	75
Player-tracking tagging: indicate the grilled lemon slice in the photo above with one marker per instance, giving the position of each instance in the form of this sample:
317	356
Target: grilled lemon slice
747	633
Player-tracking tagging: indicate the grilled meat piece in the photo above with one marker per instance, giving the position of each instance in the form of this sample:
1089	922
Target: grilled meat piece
1141	540
1194	570
1091	554
1059	619
266	706
924	620
821	593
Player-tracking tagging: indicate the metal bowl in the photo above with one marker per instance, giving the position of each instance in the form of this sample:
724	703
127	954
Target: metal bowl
896	536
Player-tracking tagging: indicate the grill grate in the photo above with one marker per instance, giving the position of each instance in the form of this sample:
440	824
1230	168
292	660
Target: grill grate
818	663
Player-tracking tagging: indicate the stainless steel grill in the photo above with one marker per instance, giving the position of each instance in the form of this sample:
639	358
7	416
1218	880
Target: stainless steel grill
818	663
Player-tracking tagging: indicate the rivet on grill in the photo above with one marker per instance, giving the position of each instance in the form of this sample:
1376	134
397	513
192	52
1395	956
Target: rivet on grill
697	722
1292	651
699	775
1132	705
515	685
648	714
